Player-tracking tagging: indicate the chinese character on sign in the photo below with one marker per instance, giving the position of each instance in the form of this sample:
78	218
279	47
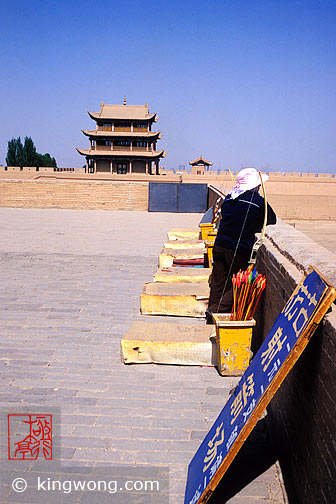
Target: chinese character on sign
274	346
291	308
213	445
215	466
232	437
273	370
294	308
35	432
241	400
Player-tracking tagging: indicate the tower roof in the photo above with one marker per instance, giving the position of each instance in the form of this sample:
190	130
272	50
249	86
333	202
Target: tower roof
137	112
200	161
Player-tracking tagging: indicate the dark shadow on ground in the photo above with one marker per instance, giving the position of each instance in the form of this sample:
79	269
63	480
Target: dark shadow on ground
254	458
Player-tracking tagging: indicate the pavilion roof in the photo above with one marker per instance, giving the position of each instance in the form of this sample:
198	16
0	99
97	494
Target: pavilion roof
200	160
122	112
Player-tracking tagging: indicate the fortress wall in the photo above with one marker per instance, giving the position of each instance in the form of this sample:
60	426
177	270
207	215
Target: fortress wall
303	411
303	207
74	194
305	200
308	198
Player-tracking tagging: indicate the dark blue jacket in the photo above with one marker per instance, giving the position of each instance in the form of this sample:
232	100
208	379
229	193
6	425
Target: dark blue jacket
242	217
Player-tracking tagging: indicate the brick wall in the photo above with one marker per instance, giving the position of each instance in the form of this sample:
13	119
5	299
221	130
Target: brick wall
303	411
74	194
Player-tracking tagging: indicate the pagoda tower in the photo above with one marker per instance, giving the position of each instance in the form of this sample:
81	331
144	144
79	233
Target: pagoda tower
123	141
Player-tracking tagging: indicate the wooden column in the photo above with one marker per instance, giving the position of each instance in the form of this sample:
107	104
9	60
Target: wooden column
111	166
130	166
146	167
157	167
95	166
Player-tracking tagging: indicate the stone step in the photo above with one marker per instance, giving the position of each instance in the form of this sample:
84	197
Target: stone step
183	299
169	343
185	244
167	255
182	275
183	234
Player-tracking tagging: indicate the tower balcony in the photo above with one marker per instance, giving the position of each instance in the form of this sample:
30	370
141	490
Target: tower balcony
122	128
111	148
127	128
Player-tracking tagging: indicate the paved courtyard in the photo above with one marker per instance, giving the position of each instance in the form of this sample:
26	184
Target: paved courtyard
70	288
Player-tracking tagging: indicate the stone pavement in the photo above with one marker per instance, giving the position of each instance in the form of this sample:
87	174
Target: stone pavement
70	288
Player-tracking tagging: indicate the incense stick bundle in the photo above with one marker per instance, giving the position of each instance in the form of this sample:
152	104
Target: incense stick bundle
247	289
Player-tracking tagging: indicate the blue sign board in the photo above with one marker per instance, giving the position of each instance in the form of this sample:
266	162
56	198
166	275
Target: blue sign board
253	386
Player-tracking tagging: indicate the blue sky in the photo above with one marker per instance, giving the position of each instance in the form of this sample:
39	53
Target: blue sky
241	82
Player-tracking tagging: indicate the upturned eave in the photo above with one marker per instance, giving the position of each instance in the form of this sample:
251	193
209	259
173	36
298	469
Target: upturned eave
118	154
116	134
96	116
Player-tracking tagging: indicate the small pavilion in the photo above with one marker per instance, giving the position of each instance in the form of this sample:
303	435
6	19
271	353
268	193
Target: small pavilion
199	166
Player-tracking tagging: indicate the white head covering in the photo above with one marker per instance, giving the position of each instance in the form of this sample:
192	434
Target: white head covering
247	179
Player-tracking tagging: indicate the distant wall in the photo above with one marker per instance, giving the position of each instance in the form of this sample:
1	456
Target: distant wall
298	198
213	175
291	196
41	169
74	194
303	410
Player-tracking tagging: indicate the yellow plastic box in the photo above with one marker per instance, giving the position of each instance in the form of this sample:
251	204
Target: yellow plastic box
212	236
233	338
210	246
205	229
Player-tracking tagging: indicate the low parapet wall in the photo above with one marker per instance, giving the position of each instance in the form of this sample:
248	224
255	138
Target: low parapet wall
314	200
303	411
90	195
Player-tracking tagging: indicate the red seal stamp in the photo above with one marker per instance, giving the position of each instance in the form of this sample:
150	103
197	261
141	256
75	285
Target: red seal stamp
29	436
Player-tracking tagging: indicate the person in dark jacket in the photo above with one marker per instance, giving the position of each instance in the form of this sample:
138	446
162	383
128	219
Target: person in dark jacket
243	212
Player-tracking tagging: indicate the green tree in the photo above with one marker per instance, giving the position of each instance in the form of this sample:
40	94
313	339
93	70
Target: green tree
11	153
29	152
26	155
19	153
14	152
46	160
